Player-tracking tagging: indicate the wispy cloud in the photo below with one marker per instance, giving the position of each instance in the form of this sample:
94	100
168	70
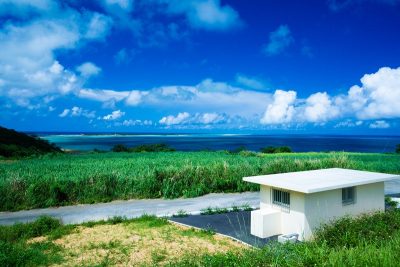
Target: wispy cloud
379	125
250	82
279	41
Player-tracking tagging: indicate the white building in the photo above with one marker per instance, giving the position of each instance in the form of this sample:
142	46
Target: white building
298	202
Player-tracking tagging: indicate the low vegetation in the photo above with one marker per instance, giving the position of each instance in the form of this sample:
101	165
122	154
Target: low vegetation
368	240
16	145
144	241
279	149
143	148
99	177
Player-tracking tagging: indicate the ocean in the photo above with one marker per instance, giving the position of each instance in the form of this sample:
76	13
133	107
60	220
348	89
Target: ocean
196	142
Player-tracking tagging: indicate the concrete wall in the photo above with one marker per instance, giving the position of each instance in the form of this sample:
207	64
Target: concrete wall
308	211
325	206
292	220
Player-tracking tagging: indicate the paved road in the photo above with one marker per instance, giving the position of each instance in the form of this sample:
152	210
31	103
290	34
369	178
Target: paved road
136	208
132	208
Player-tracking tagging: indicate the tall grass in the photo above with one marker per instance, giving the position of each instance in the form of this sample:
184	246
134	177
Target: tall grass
67	179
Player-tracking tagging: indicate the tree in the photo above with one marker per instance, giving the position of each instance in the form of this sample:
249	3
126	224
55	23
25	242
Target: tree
120	148
398	149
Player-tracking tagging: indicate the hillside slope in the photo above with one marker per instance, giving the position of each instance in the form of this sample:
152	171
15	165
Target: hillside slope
17	144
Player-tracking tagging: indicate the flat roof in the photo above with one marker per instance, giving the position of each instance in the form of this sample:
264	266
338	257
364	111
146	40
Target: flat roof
320	180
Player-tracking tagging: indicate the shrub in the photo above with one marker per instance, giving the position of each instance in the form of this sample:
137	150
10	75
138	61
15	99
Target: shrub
398	148
152	148
281	149
120	148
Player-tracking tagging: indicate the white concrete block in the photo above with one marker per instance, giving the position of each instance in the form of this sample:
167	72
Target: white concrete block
265	223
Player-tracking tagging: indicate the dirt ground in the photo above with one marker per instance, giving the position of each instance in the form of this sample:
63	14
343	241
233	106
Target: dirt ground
136	243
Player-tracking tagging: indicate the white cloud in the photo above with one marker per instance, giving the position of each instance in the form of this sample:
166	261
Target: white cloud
185	118
207	95
279	40
319	108
208	118
98	26
134	98
348	123
114	115
77	112
249	82
378	96
64	113
126	5
88	69
205	14
29	69
137	123
172	120
102	95
281	110
379	125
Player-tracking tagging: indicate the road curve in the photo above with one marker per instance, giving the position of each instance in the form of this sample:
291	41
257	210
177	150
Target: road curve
136	208
132	208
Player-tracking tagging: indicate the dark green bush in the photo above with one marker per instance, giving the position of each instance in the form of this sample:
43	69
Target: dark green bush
120	148
272	150
398	148
152	148
143	148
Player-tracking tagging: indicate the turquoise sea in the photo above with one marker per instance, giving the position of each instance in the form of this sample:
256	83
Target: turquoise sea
195	142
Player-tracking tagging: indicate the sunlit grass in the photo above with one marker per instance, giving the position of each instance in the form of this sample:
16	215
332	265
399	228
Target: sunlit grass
99	177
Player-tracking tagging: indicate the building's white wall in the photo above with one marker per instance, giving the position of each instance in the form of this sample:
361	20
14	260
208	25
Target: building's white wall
308	211
325	206
293	221
265	197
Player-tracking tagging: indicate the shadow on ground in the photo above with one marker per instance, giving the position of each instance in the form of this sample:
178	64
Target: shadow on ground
233	224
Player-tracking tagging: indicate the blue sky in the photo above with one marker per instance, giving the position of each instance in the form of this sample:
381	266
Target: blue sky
201	66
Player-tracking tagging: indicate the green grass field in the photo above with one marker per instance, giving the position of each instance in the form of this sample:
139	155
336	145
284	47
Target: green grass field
98	177
369	240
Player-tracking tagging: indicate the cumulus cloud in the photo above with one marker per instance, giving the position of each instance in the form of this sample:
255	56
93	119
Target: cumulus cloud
378	96
88	69
279	40
178	119
114	115
381	124
281	110
30	69
319	108
249	82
